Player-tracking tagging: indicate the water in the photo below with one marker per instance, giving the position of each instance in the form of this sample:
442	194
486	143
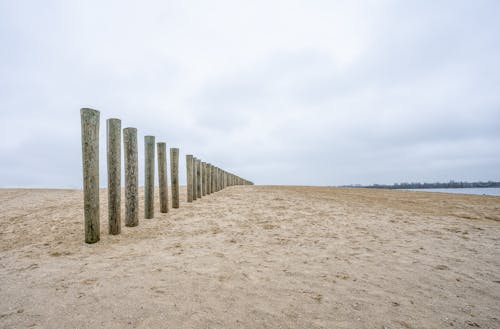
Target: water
472	190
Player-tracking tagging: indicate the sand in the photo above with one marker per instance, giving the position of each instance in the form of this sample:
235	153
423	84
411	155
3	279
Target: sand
255	257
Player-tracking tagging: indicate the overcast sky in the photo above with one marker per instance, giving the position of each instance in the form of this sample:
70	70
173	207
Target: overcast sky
280	92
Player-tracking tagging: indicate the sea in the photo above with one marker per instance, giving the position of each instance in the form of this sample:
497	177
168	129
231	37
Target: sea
480	191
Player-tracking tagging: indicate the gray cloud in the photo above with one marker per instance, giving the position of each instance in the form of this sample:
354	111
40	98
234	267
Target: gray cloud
326	93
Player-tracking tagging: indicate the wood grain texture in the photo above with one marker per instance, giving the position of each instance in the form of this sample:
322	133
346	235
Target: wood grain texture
189	177
195	179
114	144
149	176
131	165
162	176
203	178
174	176
90	163
198	178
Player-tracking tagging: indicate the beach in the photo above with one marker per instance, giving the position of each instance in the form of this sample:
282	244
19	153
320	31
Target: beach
254	257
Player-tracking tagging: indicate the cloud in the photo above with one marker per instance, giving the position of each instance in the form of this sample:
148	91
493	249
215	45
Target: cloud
328	93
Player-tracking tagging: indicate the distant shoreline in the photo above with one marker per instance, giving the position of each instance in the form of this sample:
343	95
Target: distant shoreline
421	186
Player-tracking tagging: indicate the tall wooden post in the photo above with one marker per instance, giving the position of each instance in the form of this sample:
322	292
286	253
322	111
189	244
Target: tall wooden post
203	179
161	149
219	179
189	177
198	178
195	179
209	178
214	179
174	176
131	177
206	178
149	176
114	144
90	162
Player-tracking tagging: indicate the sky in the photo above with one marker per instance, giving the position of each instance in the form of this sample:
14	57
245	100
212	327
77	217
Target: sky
278	92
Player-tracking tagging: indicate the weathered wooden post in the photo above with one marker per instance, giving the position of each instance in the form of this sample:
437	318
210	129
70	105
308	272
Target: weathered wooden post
174	176
149	176
209	178
218	179
213	180
131	177
206	179
114	144
189	177
161	149
195	181
198	178
90	161
203	179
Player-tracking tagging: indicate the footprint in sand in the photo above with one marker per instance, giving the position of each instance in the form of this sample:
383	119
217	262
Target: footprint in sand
441	267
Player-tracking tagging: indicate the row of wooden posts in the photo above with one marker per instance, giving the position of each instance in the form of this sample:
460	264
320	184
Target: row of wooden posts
202	178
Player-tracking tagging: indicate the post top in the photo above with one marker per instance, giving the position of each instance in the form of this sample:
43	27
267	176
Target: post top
88	110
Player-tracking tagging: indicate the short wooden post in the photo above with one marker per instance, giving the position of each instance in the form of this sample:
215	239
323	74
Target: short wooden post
189	177
198	178
195	179
90	162
174	176
114	144
131	177
149	176
161	149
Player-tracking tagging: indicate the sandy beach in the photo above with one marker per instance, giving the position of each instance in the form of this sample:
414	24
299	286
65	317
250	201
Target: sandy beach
255	257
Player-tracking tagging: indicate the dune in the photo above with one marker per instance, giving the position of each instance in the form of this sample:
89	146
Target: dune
255	257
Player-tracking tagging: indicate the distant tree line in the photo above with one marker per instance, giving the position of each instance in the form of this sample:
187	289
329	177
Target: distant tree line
450	184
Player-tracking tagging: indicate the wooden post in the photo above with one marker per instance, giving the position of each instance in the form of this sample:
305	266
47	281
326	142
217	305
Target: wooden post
149	179
198	178
189	177
219	178
195	181
212	187
209	178
161	149
90	162
114	144
131	177
174	176
204	179
215	179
